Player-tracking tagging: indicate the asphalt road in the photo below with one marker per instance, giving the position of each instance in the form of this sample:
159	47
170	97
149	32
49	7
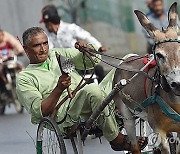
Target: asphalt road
16	129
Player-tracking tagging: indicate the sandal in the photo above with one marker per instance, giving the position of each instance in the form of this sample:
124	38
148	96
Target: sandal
126	144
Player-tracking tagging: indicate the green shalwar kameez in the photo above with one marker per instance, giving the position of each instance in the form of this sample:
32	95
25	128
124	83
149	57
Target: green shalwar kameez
37	81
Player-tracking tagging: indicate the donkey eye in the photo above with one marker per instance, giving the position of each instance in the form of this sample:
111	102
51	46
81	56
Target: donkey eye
160	57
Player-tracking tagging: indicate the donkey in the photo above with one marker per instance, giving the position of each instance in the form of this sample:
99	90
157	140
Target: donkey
168	62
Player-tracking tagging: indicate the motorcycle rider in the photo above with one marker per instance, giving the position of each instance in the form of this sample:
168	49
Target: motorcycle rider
8	44
158	16
9	47
16	46
62	34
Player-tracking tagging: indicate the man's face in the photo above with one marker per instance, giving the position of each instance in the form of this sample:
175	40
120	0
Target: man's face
37	49
1	36
158	8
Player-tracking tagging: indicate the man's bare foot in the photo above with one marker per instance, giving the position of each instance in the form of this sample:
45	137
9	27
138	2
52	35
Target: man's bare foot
121	143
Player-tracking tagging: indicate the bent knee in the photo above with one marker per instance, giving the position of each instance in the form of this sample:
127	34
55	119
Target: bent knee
93	89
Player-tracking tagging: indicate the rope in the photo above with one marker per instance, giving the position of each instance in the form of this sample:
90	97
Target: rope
90	51
79	86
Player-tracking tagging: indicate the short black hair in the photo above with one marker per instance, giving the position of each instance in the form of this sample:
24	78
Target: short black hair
50	14
54	20
29	33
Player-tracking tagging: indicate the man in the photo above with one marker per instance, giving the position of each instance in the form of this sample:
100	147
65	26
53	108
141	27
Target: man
62	34
8	45
8	41
41	85
65	35
159	18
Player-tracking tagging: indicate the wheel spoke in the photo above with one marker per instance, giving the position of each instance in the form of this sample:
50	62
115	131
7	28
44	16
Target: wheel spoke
52	140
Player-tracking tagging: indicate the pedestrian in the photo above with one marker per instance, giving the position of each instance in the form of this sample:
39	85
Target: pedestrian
158	17
64	35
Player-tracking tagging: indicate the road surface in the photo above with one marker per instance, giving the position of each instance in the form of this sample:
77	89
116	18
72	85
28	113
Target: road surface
17	135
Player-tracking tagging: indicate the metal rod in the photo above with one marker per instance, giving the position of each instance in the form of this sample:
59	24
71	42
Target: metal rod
79	142
118	87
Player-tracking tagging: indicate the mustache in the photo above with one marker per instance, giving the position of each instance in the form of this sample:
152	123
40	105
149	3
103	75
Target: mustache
43	52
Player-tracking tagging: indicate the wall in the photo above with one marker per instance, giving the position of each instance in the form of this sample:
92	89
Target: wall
111	21
18	15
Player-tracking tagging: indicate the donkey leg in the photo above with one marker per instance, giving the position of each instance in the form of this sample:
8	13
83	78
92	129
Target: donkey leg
164	145
129	125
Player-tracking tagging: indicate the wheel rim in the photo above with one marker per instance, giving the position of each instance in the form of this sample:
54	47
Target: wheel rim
48	142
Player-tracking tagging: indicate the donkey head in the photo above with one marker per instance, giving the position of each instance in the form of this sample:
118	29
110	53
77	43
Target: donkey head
168	53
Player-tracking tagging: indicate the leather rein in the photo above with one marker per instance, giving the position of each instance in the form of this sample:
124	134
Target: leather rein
92	50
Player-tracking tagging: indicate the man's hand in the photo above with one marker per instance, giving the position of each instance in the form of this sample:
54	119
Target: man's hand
80	45
103	49
64	82
84	47
48	105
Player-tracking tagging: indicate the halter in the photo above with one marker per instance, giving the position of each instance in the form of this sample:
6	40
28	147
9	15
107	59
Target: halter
166	109
161	42
155	58
120	85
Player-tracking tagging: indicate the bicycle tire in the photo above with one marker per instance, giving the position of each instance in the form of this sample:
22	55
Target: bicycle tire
52	127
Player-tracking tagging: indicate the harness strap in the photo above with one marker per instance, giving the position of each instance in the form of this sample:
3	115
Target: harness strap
129	69
151	65
166	109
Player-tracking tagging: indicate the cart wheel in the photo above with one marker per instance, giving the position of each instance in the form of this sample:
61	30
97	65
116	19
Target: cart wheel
49	138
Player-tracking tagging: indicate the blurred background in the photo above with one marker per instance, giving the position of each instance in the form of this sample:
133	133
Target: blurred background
112	22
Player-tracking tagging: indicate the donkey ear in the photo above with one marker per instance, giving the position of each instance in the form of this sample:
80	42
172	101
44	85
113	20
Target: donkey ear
148	26
173	16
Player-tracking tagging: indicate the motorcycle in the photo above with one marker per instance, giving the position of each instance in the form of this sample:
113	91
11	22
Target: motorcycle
10	68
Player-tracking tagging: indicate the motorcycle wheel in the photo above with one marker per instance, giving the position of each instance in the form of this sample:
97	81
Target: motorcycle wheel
17	104
2	108
11	77
2	104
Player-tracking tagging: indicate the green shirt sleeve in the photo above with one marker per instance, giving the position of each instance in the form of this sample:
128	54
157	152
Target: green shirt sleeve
77	57
29	97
